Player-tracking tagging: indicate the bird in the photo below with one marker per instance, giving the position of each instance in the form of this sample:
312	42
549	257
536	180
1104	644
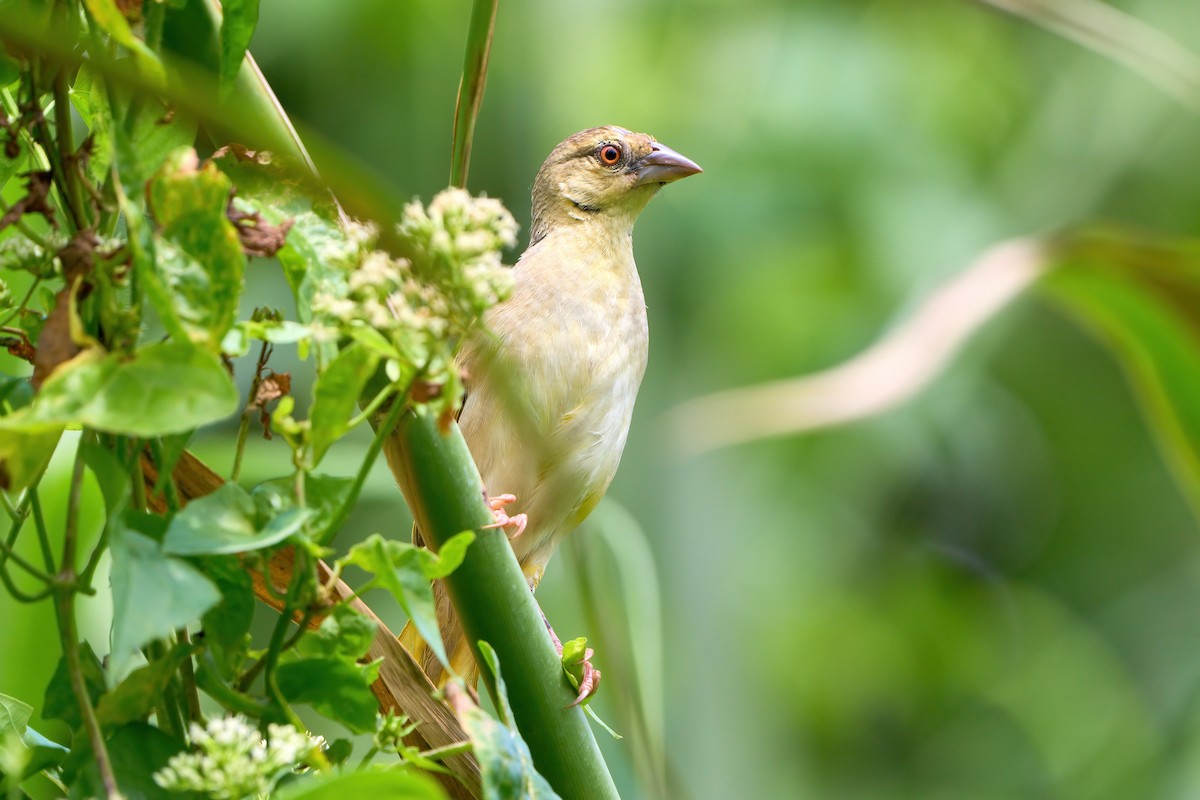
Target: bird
552	374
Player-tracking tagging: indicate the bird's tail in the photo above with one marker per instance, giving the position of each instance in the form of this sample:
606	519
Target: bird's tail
462	662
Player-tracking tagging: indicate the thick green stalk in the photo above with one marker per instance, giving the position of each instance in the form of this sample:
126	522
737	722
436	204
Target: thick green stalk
494	604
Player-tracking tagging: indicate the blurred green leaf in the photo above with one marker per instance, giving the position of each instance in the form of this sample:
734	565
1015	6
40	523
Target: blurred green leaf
406	571
164	388
317	245
153	593
227	624
238	21
136	751
336	395
504	757
25	454
394	783
59	701
1143	300
198	253
134	697
334	687
344	634
225	522
324	496
112	21
14	715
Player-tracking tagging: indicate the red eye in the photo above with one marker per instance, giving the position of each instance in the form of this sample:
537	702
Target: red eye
609	154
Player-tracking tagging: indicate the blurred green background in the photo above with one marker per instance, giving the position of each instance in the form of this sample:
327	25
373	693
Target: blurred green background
991	592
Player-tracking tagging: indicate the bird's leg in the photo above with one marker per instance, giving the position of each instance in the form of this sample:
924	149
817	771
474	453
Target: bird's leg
503	520
578	665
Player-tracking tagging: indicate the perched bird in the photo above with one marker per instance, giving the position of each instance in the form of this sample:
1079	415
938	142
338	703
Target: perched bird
552	374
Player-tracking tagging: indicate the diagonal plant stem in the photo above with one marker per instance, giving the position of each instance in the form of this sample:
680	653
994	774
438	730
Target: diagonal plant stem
470	87
1164	62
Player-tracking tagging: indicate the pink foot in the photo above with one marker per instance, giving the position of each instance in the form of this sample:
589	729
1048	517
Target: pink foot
587	675
503	520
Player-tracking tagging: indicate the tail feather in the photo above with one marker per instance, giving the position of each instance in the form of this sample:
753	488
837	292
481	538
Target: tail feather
462	661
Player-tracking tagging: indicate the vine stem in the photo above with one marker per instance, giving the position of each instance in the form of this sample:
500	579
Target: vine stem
65	608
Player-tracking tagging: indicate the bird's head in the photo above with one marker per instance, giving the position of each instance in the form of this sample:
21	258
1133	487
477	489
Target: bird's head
605	173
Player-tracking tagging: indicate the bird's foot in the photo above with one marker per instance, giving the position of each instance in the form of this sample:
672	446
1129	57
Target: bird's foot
516	522
577	663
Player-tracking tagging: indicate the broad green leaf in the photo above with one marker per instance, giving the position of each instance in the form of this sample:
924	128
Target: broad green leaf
240	17
503	756
335	688
165	388
1144	301
406	572
336	395
225	522
153	593
14	715
198	253
59	701
393	784
136	751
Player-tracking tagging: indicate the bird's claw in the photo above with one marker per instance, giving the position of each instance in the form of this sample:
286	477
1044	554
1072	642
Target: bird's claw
503	520
577	663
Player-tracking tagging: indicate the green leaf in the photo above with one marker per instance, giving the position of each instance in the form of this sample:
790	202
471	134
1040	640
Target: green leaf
153	593
198	253
336	395
324	495
504	758
225	522
406	572
59	702
112	21
394	784
335	688
240	17
14	715
134	697
227	624
318	249
344	634
165	388
111	476
136	751
24	455
1143	299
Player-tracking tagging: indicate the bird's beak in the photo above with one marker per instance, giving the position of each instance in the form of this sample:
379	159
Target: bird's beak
663	165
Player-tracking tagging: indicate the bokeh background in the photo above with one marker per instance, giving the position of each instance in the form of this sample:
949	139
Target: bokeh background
990	592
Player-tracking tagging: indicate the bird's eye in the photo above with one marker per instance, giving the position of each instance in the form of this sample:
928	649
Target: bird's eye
609	154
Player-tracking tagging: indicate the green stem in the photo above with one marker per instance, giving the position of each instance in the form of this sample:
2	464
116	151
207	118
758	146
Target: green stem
448	751
39	522
66	149
360	479
445	494
470	87
275	647
69	633
208	679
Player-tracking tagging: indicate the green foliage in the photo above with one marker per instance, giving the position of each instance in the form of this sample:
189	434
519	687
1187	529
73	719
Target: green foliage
125	257
503	756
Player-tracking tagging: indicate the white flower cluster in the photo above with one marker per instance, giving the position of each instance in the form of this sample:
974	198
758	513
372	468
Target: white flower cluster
456	275
232	761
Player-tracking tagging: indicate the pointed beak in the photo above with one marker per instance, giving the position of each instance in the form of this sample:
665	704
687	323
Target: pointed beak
663	165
